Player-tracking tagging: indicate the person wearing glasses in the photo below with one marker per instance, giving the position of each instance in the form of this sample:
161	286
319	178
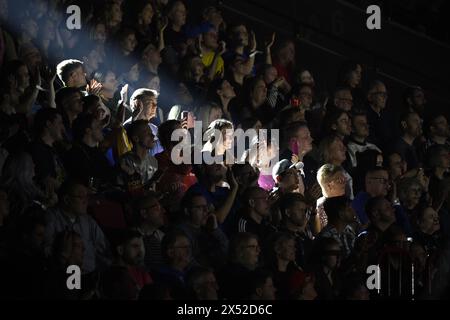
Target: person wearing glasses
71	214
376	184
176	249
343	99
209	243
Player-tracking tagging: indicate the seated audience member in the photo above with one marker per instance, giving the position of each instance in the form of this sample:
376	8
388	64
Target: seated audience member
411	129
138	165
281	254
262	286
286	177
255	213
209	243
357	142
340	217
49	128
71	214
295	217
376	185
149	218
328	279
332	181
176	249
71	73
70	104
234	278
143	104
85	161
302	286
202	283
129	252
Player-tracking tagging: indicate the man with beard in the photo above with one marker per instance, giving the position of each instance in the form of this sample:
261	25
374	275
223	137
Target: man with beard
256	211
129	252
415	100
438	131
411	126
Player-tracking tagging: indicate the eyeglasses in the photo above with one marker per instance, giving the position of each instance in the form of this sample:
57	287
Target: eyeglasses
253	246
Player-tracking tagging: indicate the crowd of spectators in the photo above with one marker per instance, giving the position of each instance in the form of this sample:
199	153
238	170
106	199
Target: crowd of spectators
89	175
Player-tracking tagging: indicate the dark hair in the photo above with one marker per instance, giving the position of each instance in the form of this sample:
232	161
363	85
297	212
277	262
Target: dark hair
140	202
429	121
116	283
345	71
286	116
101	73
32	217
135	128
373	84
42	117
10	68
170	238
237	241
372	205
341	88
186	201
258	278
66	67
196	273
248	194
433	154
334	205
68	186
63	94
121	237
330	119
89	101
165	131
288	200
81	124
409	93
